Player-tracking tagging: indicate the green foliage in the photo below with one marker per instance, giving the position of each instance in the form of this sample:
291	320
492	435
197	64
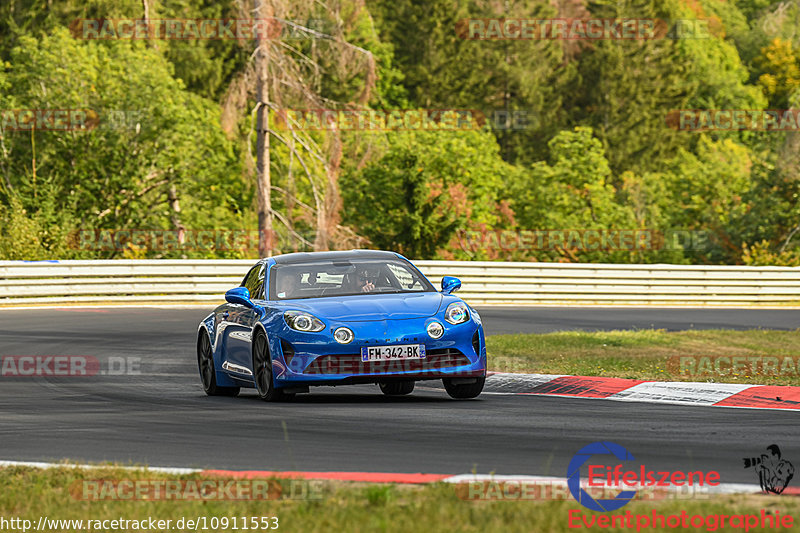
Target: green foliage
762	254
34	236
149	136
379	495
752	8
444	70
206	66
425	187
595	153
647	354
781	72
706	191
573	191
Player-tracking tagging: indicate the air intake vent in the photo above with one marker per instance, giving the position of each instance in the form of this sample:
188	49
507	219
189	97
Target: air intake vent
476	342
288	351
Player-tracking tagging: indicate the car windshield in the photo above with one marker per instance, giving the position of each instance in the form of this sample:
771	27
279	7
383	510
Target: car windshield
343	277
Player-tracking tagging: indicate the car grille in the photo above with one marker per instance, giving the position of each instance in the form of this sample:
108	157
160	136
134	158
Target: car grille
351	363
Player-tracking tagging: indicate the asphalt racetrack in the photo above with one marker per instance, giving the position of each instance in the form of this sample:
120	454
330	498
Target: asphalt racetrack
160	416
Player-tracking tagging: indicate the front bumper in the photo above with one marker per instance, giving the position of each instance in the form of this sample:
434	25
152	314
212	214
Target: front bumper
317	359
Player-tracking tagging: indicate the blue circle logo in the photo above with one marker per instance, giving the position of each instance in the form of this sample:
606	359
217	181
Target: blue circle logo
574	476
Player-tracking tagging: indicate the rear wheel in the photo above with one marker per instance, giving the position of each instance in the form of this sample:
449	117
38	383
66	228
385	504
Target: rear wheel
208	373
397	388
262	368
463	388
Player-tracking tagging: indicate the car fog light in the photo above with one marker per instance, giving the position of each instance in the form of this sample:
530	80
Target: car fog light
435	330
343	336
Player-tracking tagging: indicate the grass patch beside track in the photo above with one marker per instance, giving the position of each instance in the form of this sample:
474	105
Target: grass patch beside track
353	507
649	354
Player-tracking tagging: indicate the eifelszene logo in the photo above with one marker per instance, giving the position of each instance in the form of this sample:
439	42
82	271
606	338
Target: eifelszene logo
774	472
574	476
601	475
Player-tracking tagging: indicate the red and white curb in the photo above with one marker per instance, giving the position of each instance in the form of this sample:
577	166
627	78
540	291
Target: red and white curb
390	477
633	390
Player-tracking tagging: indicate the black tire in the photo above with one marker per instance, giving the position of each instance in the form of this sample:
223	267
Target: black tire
208	374
397	388
463	391
262	372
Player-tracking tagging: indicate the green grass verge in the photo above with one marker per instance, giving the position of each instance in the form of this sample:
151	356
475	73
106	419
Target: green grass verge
651	354
30	493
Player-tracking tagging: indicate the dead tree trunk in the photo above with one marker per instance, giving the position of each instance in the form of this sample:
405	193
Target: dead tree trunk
263	182
175	205
328	216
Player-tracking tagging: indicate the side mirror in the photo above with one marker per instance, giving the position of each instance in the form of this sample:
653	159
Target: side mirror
239	295
450	284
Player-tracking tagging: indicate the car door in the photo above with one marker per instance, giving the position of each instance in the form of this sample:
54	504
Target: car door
241	320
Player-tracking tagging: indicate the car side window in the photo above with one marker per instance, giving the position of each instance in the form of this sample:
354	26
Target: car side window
254	281
259	289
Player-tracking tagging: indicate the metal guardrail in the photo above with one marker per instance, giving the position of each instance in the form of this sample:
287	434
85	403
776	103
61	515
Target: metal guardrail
206	280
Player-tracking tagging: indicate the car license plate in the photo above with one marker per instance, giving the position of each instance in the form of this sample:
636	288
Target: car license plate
387	353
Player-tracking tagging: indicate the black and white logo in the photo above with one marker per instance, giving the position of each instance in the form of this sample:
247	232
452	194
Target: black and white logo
774	472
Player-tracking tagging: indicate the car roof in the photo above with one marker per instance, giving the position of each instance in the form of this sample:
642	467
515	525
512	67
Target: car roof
305	257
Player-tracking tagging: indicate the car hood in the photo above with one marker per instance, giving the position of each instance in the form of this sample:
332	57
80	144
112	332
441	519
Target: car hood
362	308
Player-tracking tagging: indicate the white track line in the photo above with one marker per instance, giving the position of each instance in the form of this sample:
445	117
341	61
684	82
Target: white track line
210	306
679	392
532	306
162	469
723	488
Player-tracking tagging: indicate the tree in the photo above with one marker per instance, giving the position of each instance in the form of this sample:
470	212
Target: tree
573	190
443	68
149	143
424	188
781	72
289	74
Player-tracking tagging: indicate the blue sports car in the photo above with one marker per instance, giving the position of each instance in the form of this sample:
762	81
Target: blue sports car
338	318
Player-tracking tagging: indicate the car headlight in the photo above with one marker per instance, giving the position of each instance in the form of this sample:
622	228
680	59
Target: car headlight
301	321
435	330
343	335
456	313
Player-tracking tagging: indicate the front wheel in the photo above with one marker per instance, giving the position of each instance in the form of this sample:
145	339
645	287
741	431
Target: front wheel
463	388
397	388
208	374
262	368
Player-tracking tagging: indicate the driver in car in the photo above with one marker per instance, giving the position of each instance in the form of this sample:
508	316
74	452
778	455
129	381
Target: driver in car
366	283
285	285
